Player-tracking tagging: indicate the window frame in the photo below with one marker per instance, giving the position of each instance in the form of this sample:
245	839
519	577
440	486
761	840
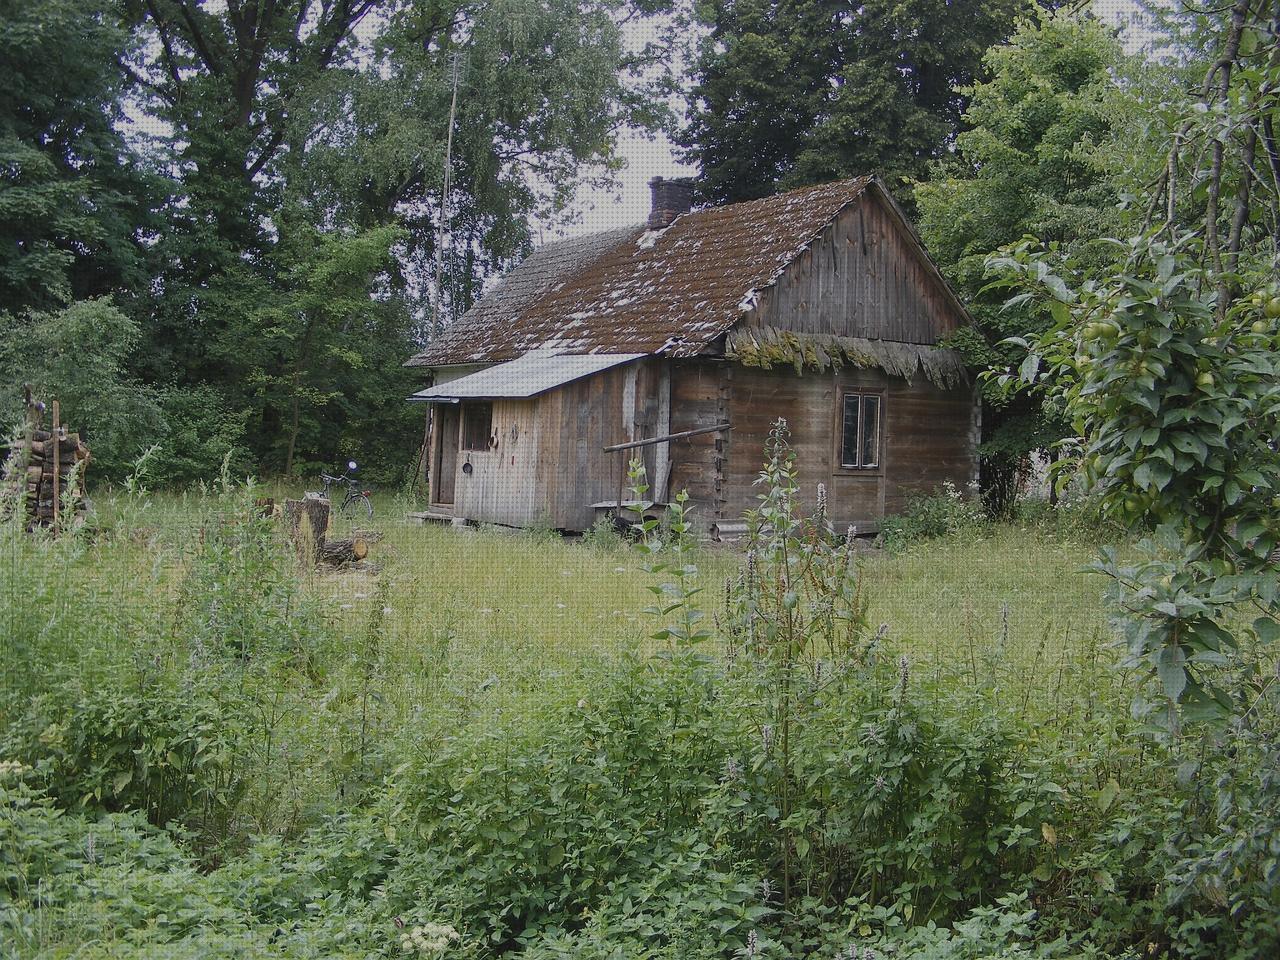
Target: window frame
843	394
466	436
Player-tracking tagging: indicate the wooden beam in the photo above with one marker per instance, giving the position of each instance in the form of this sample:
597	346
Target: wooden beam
668	437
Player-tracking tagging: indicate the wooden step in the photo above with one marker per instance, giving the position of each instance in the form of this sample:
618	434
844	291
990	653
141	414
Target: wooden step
429	516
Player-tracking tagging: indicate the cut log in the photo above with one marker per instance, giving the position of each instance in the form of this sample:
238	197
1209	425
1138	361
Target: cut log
350	550
308	522
70	447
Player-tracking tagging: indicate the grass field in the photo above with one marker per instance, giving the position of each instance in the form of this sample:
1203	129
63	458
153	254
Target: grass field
470	726
508	623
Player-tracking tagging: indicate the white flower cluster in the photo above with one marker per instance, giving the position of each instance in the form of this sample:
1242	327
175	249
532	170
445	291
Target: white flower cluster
430	939
12	768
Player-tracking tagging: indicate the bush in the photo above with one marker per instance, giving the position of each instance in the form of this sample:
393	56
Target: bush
168	754
603	535
200	431
79	355
945	514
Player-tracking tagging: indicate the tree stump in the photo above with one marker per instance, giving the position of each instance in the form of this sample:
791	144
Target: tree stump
308	521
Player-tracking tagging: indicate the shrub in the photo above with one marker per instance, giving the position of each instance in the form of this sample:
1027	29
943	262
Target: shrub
200	430
603	535
945	514
166	753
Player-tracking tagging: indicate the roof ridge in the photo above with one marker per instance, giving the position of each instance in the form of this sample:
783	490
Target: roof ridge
674	295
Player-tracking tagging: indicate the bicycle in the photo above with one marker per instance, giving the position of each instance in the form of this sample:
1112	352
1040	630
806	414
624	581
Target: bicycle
355	495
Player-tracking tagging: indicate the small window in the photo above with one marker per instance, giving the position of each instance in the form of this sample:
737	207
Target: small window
860	439
477	425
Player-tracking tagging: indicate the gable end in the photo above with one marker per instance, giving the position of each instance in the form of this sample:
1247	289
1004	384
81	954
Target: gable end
867	276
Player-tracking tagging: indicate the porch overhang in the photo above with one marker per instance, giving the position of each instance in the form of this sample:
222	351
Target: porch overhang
522	378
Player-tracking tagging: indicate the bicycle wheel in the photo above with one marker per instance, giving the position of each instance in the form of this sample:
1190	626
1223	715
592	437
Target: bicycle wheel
356	504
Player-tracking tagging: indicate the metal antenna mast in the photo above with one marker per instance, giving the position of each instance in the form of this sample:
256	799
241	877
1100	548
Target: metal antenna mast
437	321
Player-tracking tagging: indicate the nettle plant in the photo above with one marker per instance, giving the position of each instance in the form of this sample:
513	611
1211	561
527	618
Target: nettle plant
799	601
797	618
683	622
1174	396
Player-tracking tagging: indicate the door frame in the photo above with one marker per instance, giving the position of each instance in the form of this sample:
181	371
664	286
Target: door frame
445	469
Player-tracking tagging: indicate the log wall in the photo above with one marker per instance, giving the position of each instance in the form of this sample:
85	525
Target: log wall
928	438
579	420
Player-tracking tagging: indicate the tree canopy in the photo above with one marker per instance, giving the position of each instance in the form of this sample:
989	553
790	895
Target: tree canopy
1036	159
260	189
790	92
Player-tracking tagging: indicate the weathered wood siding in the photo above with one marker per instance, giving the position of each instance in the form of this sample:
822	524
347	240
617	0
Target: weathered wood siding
502	486
700	398
865	277
928	438
578	421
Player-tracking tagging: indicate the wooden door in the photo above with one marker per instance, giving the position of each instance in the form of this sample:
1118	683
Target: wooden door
446	453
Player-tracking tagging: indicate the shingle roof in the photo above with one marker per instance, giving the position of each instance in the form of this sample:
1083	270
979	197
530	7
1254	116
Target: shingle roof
668	291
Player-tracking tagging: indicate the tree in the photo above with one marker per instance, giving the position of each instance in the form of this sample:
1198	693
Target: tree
790	92
1037	159
311	135
542	89
79	356
1170	376
339	346
73	205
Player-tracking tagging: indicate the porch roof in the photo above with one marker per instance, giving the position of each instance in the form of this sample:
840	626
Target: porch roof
534	373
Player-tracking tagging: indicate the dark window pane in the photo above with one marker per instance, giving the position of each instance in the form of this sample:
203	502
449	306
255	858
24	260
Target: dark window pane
477	424
849	437
870	432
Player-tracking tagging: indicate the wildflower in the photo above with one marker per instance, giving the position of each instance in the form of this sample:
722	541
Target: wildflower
753	944
766	890
431	939
766	736
820	515
880	784
732	770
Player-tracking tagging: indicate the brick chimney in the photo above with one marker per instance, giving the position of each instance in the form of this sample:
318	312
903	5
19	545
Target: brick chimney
671	197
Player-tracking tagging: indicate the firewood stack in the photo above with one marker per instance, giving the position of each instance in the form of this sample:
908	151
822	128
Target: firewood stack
44	482
44	462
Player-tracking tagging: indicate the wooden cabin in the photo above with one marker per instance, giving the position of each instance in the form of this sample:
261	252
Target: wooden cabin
819	306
